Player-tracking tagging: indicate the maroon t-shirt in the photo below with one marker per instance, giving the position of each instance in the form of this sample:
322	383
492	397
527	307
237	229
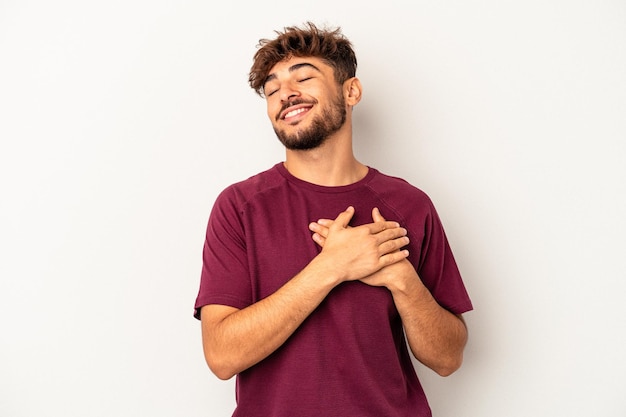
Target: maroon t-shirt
349	357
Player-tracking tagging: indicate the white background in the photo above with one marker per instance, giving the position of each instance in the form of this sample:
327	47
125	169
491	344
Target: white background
120	121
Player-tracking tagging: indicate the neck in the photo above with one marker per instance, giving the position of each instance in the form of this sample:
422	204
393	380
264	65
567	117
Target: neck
332	164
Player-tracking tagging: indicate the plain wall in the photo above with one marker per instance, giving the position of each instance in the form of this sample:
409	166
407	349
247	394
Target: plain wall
121	121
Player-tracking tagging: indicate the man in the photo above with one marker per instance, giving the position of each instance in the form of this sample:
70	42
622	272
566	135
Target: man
307	291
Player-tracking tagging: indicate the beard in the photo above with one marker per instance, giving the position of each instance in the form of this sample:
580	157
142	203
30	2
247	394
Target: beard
322	126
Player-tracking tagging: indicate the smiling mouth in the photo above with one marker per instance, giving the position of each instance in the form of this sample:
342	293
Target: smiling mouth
295	112
294	108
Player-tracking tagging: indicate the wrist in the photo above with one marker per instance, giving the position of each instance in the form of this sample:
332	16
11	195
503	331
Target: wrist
326	271
406	282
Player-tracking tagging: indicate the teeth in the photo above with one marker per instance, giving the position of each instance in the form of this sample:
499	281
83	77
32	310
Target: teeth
294	112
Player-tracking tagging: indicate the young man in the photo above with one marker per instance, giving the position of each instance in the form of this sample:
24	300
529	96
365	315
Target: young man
316	269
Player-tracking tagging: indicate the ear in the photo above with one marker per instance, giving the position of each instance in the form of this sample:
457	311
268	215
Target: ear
352	91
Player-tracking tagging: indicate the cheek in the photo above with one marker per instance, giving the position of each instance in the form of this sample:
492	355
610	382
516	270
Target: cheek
272	110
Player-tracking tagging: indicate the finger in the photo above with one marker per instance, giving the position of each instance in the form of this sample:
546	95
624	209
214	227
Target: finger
376	216
390	234
343	219
393	257
319	239
378	227
393	245
314	226
319	229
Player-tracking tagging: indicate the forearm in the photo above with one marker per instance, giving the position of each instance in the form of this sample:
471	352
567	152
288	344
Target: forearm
239	339
436	337
235	339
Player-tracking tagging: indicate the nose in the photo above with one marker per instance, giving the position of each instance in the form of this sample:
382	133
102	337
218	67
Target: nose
288	92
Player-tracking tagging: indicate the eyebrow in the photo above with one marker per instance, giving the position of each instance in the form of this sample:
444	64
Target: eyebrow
292	68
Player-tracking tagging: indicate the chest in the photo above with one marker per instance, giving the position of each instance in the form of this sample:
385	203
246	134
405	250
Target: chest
278	239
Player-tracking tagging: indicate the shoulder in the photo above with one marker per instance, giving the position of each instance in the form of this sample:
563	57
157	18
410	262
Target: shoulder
242	192
404	202
395	188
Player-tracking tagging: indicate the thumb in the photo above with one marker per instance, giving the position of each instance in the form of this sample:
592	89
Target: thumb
376	216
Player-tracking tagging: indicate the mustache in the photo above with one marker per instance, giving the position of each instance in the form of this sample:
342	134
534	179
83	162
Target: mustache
293	102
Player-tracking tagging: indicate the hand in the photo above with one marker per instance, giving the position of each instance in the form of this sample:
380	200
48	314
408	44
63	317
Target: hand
358	252
382	277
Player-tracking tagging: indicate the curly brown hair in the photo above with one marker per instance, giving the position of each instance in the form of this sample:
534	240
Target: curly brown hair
328	44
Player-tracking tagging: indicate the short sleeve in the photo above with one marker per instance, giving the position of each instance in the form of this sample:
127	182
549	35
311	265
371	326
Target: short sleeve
438	269
225	273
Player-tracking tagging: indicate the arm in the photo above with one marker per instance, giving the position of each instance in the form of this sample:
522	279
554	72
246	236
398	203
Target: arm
436	336
233	339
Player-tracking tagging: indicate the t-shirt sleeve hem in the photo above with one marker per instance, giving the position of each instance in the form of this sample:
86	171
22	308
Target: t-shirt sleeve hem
461	308
221	300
